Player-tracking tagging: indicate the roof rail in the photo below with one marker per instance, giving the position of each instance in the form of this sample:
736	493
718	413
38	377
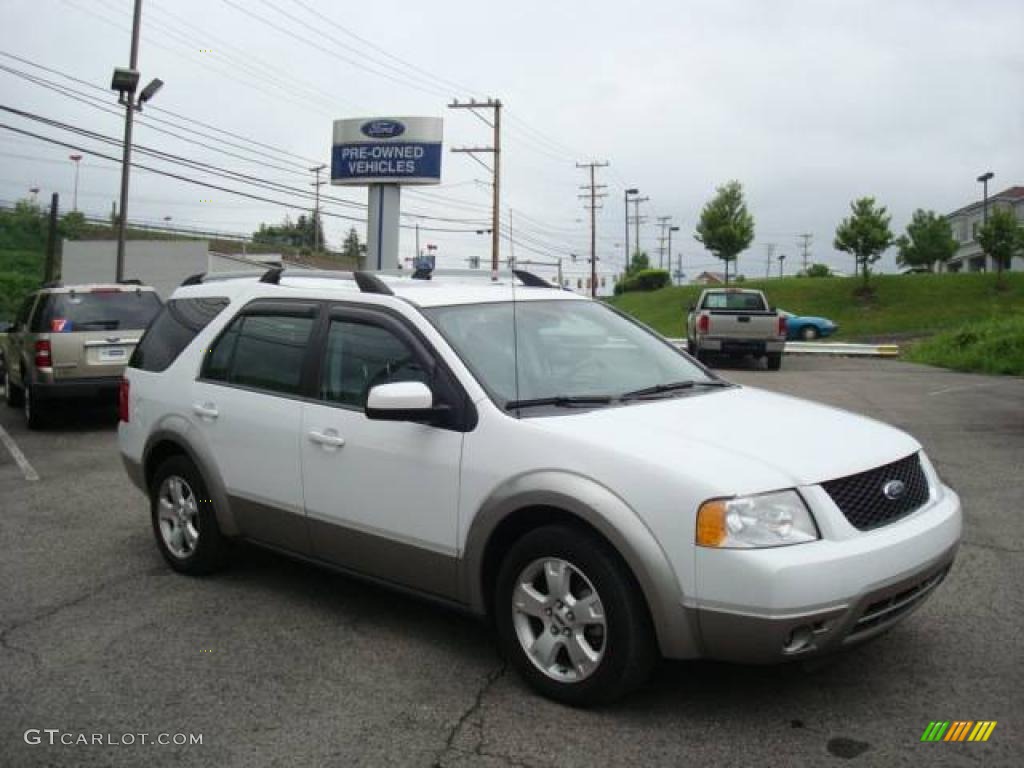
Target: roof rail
531	280
195	279
272	276
130	281
370	283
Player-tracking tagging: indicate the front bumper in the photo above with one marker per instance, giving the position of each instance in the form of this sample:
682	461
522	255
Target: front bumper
817	598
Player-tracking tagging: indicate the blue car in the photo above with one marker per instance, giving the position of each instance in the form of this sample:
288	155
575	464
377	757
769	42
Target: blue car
801	328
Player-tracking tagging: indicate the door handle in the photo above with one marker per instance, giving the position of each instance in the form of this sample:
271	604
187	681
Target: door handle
328	438
205	410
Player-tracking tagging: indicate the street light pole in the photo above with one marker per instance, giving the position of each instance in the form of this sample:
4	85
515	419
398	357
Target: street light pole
636	219
129	116
74	199
670	231
984	179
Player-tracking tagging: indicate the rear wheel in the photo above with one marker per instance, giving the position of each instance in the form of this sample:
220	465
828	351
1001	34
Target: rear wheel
12	392
774	361
808	333
184	521
34	416
571	619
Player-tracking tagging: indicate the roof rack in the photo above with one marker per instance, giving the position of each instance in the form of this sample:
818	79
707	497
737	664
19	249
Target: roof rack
531	280
272	276
370	283
130	281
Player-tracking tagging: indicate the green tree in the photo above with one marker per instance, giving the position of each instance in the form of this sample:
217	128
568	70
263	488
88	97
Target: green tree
638	263
300	233
865	234
352	249
1001	238
726	227
929	239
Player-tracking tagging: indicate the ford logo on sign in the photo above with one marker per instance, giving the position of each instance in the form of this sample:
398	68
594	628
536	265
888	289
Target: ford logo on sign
382	129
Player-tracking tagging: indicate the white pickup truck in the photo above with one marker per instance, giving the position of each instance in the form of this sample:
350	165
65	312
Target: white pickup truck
736	322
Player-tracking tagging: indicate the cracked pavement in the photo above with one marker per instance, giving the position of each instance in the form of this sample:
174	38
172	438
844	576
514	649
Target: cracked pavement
278	663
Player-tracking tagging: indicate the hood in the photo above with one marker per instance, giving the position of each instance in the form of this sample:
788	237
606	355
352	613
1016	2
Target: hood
741	440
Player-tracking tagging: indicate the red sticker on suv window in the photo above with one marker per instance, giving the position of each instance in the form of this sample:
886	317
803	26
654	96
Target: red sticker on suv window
60	325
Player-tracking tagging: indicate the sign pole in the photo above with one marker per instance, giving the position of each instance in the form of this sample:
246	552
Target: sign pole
383	227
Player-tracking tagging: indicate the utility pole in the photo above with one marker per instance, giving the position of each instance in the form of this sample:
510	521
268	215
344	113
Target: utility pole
669	262
50	270
316	210
495	149
769	249
806	248
511	243
638	219
663	223
625	243
593	193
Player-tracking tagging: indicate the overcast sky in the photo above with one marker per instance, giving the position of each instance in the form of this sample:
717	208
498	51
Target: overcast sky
808	104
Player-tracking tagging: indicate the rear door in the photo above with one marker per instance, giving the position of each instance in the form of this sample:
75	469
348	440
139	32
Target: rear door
247	405
15	352
92	333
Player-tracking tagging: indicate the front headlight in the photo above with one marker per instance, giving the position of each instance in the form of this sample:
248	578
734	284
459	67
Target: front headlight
768	520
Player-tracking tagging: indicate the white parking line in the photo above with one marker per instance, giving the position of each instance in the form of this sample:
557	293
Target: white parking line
19	457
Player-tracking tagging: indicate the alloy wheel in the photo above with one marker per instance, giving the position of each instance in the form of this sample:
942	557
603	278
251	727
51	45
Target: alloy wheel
559	620
178	516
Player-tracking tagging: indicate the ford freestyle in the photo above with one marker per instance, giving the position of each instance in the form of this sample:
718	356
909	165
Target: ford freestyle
533	457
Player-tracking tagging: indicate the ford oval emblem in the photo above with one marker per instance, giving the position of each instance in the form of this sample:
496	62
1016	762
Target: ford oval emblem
894	489
382	129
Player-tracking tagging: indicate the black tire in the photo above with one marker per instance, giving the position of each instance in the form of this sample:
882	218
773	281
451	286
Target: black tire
628	648
12	392
209	552
774	361
691	348
35	418
808	333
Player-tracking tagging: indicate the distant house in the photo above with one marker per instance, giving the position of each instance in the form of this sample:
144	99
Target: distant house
710	278
965	223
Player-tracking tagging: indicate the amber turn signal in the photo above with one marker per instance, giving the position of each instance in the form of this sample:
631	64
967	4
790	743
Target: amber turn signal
711	530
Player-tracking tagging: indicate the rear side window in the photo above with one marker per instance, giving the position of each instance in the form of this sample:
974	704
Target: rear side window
262	351
173	329
100	310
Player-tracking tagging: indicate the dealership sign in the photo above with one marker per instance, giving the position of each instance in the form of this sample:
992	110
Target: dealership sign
386	150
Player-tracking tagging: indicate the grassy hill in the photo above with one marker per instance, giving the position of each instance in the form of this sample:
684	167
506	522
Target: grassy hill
902	306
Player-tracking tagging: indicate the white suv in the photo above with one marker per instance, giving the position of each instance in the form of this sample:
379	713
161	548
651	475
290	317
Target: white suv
534	457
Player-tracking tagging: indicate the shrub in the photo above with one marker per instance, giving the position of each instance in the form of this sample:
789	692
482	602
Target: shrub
644	280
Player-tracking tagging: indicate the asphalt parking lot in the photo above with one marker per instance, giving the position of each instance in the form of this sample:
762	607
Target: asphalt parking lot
279	663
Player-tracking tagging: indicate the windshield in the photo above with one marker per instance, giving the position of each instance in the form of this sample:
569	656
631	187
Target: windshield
97	310
566	349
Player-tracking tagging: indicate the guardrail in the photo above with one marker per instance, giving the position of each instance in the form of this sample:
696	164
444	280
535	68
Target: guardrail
838	348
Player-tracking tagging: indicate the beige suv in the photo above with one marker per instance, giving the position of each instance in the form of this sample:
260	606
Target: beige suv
72	341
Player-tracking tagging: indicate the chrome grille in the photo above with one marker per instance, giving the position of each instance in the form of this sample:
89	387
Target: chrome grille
863	498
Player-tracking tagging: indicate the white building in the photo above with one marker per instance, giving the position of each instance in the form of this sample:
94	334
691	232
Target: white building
965	223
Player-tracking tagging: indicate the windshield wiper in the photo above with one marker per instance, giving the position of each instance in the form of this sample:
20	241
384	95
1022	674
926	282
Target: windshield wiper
672	386
562	401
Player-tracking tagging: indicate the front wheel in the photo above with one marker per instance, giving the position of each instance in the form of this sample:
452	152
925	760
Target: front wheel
808	333
571	619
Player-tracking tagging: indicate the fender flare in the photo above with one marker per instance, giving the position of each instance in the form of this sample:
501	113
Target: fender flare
184	435
596	505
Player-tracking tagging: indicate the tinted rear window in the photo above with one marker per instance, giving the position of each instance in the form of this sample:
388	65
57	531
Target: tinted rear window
173	330
735	301
95	311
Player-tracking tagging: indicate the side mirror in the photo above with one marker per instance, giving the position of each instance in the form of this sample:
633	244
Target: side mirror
692	307
6	327
403	401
